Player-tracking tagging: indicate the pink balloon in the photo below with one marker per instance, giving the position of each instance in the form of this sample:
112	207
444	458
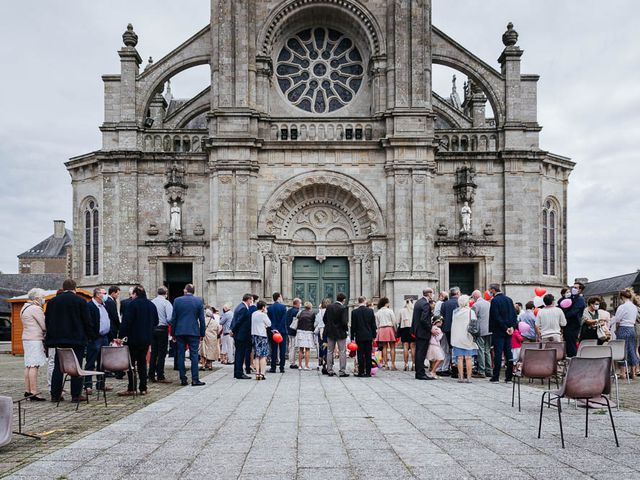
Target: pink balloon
374	370
566	303
524	327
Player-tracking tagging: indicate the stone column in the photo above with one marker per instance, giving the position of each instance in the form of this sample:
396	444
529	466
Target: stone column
287	278
376	275
358	280
510	66
352	278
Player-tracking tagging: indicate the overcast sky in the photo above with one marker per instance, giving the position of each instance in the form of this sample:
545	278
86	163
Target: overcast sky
587	53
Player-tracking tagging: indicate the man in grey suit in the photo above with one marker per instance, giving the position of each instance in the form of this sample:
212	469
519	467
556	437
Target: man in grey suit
481	307
187	325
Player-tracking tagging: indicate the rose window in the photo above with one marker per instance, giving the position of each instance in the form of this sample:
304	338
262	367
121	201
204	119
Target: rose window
319	70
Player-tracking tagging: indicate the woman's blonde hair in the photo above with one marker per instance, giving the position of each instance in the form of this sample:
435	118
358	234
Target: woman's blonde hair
409	304
36	294
463	301
308	305
631	295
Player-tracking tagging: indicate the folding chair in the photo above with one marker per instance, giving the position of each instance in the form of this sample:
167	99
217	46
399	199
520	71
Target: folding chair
598	351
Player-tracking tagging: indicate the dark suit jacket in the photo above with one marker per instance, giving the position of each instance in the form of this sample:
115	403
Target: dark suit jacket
112	309
278	315
502	315
241	323
446	310
573	314
363	324
336	321
291	314
139	321
68	321
421	320
188	316
123	306
95	317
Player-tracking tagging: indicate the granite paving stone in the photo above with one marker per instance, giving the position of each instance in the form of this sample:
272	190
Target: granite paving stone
302	425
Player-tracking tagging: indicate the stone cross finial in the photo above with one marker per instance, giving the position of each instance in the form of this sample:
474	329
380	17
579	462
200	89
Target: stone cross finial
130	38
510	37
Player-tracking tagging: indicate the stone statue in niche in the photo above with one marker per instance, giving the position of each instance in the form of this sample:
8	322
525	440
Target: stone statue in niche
175	222
465	214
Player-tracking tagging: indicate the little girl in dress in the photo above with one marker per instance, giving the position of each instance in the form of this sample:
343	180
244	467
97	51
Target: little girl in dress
435	354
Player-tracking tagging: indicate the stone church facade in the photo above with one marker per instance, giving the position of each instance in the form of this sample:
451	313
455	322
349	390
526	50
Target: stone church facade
319	160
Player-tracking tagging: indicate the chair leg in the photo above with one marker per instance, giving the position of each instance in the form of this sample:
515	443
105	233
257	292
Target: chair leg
560	421
541	409
104	390
615	377
626	370
63	384
586	420
519	408
615	435
513	391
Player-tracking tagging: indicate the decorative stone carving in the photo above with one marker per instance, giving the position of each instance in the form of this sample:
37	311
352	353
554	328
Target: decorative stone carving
175	223
175	247
465	187
129	37
152	231
442	231
488	229
198	230
510	37
465	216
175	186
467	247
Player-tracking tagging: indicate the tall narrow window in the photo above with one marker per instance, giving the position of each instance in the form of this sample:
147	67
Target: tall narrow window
549	238
91	239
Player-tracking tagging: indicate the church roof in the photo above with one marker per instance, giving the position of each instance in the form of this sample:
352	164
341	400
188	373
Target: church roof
50	247
612	284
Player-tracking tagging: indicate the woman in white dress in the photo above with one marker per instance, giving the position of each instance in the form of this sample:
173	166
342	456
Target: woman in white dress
33	331
464	348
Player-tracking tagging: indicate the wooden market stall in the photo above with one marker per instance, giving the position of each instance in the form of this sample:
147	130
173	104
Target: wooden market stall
16	323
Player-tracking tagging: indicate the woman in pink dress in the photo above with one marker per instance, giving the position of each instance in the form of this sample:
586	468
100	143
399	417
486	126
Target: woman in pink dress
386	324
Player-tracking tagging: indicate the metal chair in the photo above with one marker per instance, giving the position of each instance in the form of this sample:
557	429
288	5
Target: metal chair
598	351
587	343
70	367
6	420
561	354
586	378
536	364
618	349
115	359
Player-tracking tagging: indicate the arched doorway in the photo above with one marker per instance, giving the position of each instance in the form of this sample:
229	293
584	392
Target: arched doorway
314	281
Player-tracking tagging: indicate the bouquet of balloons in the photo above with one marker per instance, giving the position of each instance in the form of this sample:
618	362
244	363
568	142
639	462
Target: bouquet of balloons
376	360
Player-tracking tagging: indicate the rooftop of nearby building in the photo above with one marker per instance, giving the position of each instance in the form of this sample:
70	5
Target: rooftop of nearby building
612	284
14	284
52	246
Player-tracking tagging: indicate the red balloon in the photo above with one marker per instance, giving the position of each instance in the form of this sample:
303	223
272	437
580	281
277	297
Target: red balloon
277	338
352	346
487	295
471	302
375	344
540	291
397	339
536	311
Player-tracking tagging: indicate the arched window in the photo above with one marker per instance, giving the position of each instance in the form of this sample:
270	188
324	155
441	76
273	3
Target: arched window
91	239
549	238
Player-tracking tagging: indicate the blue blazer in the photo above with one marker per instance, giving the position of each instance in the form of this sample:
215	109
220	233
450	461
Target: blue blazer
188	316
241	323
278	316
502	315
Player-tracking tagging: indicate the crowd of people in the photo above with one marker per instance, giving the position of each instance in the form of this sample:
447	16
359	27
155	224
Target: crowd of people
464	336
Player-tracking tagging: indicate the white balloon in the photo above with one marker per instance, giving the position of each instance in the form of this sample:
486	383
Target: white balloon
537	302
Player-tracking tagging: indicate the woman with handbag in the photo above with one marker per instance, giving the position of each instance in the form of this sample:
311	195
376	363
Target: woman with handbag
304	336
593	327
462	341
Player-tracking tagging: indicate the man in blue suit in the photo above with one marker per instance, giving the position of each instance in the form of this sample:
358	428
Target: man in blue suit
502	321
241	333
278	315
188	327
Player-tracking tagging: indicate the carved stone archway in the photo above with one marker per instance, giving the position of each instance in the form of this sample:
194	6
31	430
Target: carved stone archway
322	214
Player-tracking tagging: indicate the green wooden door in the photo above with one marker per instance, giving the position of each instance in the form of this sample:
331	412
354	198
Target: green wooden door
313	281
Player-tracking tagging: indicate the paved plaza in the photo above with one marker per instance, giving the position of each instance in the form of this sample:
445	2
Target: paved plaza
302	425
